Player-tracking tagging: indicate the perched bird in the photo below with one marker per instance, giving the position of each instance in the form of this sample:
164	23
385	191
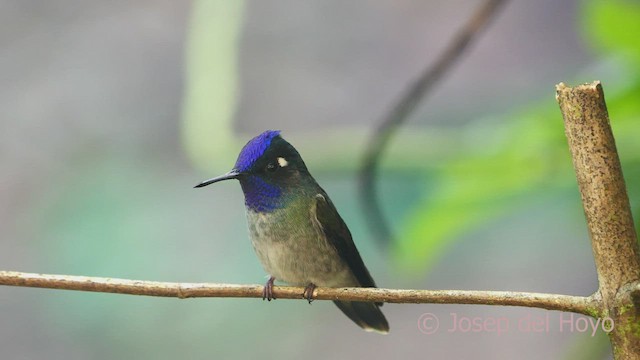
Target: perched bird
296	230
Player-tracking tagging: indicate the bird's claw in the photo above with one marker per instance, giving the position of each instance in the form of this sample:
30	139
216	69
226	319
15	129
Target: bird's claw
267	291
308	292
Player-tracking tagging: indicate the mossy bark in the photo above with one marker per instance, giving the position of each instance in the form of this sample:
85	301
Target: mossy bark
606	207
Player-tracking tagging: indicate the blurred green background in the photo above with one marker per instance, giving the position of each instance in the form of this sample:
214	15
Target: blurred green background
112	112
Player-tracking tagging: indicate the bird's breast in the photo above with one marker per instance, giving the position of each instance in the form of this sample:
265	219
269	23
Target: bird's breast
293	250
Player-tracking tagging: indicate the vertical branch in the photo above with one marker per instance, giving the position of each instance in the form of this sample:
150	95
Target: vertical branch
604	194
405	106
607	210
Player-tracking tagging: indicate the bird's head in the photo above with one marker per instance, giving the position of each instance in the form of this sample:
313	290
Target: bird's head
267	167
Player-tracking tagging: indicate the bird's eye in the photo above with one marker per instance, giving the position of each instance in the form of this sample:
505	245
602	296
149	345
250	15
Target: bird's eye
271	167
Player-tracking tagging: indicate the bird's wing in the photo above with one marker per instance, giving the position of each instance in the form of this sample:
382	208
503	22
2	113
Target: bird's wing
338	235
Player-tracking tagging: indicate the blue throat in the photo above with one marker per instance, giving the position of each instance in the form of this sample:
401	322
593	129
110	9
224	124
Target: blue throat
261	196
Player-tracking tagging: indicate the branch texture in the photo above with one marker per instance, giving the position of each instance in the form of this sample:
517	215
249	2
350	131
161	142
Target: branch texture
606	207
576	304
602	187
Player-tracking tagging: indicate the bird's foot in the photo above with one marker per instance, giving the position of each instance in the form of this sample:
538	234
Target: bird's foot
267	291
308	292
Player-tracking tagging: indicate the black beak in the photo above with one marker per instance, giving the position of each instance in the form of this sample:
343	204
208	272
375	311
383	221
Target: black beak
233	174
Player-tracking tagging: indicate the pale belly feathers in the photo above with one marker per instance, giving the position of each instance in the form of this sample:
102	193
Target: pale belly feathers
293	250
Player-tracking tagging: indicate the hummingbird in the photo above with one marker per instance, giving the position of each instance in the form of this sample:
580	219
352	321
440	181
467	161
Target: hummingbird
295	229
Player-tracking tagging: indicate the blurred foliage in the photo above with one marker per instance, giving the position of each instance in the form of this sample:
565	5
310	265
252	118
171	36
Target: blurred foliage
476	173
211	81
613	27
530	156
128	213
211	97
594	347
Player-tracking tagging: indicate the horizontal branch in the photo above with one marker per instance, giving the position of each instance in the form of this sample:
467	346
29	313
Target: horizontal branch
577	304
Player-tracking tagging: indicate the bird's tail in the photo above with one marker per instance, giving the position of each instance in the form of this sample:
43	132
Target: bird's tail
366	314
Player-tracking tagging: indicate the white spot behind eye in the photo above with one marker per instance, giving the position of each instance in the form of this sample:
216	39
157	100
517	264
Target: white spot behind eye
282	162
